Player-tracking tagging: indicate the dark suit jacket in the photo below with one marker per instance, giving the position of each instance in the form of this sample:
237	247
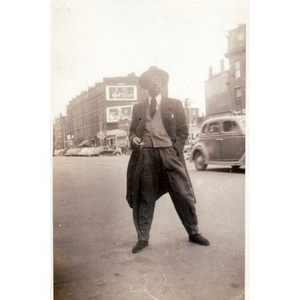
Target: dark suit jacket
174	121
173	118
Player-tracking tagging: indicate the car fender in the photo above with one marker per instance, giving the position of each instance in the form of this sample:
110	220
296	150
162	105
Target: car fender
242	161
201	147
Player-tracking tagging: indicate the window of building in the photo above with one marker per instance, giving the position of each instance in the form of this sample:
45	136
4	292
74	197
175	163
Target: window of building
237	69
238	92
238	96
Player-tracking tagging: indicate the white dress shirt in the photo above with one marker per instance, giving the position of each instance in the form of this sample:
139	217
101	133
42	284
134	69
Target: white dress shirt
157	98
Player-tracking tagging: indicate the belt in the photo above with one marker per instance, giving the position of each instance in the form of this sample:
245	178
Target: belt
145	147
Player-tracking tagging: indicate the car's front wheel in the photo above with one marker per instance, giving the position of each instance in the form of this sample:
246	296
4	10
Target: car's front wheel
199	161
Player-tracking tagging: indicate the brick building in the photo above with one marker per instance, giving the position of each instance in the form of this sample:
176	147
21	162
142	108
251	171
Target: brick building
102	114
226	91
59	132
236	55
191	114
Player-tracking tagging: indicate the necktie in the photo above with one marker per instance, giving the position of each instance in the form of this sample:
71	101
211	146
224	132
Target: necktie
152	107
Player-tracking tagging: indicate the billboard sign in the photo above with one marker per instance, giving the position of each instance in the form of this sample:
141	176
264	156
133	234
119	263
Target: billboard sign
121	93
118	113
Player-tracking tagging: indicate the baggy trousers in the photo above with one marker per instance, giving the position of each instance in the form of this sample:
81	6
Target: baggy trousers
162	166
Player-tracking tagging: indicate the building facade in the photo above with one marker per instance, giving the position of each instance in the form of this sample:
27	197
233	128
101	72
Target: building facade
217	92
60	132
236	55
83	116
102	114
191	113
226	91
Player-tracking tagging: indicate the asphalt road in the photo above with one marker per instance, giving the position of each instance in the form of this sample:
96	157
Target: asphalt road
93	235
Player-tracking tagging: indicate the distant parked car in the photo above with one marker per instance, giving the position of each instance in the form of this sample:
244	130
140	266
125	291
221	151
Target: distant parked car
88	151
221	141
59	152
98	150
73	152
106	150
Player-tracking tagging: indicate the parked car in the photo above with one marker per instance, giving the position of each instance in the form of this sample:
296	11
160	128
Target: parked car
87	151
106	150
221	141
59	152
98	150
73	152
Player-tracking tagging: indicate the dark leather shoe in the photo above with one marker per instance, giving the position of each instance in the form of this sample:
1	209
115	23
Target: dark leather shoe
140	245
198	239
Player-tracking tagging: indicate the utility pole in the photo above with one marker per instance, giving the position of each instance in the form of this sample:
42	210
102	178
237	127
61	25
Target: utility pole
189	110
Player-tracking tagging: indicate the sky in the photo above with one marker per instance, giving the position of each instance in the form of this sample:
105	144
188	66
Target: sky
93	39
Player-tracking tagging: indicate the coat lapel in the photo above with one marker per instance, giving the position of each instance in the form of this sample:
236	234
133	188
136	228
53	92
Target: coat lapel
142	117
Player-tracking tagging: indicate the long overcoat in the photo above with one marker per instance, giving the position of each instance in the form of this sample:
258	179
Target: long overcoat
174	120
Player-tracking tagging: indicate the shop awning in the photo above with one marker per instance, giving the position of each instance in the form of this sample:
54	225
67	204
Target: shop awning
116	132
84	143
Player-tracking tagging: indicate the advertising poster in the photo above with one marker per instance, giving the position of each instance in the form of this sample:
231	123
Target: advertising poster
118	113
124	92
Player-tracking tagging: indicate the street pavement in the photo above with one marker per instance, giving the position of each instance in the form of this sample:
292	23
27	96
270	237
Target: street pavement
93	235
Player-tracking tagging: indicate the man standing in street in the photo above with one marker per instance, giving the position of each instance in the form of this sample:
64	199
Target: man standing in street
157	136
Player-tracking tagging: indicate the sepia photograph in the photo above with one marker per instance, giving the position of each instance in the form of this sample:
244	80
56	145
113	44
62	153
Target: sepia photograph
144	158
149	104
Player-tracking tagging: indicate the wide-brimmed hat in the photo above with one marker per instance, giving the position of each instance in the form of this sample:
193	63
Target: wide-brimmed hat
153	71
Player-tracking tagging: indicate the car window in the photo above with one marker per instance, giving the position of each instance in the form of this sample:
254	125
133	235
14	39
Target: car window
204	129
213	127
230	126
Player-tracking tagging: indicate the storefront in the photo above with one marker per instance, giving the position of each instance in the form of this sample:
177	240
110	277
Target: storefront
117	139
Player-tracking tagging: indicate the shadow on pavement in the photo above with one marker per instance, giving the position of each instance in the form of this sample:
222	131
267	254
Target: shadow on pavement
227	170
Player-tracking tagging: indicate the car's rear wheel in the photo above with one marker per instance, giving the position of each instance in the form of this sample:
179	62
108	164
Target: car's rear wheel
199	161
